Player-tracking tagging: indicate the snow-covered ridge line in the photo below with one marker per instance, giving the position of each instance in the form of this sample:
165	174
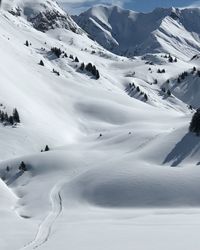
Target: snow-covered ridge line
44	15
131	33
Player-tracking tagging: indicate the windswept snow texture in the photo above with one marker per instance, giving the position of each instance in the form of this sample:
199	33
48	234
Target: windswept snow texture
129	33
122	171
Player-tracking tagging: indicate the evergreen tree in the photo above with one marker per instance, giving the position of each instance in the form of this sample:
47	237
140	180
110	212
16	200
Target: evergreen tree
168	92
6	117
22	166
170	59
27	43
2	115
82	67
138	89
7	168
89	67
71	57
41	63
195	123
163	89
76	59
190	107
94	70
46	148
145	97
97	75
16	116
11	120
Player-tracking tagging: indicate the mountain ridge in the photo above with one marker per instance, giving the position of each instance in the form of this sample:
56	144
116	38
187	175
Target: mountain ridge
125	32
43	15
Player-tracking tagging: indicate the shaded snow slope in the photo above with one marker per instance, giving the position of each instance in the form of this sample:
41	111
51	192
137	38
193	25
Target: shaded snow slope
131	33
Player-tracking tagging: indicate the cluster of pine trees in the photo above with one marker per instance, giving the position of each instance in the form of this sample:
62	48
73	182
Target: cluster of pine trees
161	71
45	149
131	88
185	74
182	76
9	120
57	51
170	58
22	167
91	69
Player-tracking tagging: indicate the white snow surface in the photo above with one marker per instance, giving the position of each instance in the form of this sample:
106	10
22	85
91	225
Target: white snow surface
122	172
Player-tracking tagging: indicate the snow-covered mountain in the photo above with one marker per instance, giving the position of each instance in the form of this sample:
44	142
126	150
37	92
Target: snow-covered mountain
43	14
130	33
100	157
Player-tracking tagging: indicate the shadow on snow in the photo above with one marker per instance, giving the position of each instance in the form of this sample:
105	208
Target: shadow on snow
188	146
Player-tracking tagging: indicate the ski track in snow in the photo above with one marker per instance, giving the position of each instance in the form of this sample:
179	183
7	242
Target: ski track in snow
45	227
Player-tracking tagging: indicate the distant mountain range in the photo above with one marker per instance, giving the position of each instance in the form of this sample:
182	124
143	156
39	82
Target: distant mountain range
130	33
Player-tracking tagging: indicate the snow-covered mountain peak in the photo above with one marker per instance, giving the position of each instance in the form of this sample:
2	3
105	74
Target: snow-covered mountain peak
43	14
127	32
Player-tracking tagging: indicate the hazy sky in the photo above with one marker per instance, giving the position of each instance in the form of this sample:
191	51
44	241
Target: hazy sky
76	6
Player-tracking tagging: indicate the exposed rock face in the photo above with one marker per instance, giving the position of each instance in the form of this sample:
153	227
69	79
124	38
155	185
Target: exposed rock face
45	21
43	14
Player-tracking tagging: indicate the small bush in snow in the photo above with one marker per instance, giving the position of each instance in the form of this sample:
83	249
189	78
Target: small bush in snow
41	63
56	72
27	43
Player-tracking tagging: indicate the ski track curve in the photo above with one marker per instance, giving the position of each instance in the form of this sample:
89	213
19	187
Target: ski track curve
45	227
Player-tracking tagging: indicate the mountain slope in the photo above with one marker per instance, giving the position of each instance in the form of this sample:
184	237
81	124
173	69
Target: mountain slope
122	169
44	15
130	33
